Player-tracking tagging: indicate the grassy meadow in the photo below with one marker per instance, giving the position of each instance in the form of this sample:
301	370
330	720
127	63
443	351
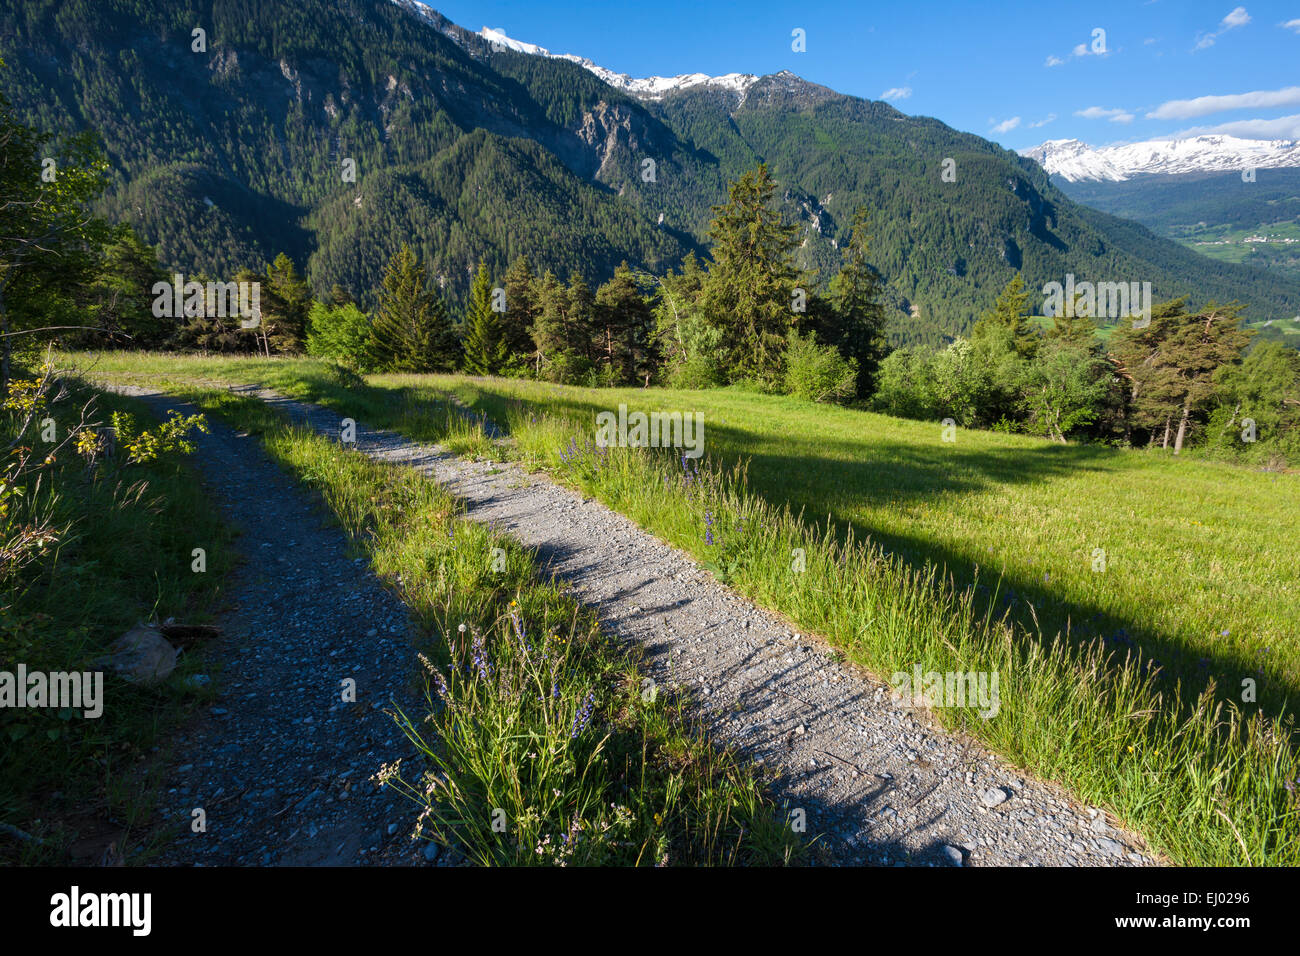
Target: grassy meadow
1200	559
976	554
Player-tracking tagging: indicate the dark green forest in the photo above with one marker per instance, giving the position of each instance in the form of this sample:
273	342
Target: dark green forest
335	132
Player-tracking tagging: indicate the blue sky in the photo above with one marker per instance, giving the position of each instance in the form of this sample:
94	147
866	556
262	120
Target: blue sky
1017	73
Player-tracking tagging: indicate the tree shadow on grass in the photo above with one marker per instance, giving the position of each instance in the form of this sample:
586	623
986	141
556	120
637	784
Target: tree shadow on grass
900	473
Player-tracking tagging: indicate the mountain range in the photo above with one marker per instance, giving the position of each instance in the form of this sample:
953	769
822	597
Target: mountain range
336	130
1075	161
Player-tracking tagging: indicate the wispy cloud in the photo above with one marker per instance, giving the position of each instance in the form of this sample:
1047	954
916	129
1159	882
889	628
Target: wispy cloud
1205	105
1291	25
1099	112
1095	47
1237	18
1050	117
896	93
1007	125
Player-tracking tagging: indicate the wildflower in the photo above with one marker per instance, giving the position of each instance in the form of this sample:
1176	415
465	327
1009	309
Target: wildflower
584	715
481	661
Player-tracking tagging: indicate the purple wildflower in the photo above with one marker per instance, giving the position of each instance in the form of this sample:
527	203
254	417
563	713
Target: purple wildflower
481	662
584	714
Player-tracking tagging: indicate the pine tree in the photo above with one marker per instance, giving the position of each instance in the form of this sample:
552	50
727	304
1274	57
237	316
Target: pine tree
859	317
1010	311
485	344
1074	328
1211	339
286	304
522	310
623	324
1169	365
412	330
119	300
751	280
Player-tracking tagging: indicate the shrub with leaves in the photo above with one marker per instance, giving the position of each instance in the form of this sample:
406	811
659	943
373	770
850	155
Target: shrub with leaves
146	445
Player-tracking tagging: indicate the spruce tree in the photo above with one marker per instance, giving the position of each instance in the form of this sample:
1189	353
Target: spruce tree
485	344
522	310
412	331
623	324
859	316
1010	311
750	282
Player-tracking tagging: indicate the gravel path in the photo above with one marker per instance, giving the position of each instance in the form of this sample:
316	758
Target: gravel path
884	786
280	765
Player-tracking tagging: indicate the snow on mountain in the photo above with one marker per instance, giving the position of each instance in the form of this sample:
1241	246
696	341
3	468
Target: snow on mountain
1073	160
650	87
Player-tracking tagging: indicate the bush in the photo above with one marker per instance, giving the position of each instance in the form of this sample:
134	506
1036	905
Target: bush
341	333
818	373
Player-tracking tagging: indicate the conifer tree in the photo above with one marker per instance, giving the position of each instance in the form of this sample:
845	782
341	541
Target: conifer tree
1010	311
859	316
1170	364
522	310
750	282
1073	327
412	330
485	344
623	324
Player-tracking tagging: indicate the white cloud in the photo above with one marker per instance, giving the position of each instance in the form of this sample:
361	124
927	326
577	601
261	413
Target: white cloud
1291	25
1043	122
1098	112
1284	127
1205	105
1007	126
1096	47
1238	17
897	93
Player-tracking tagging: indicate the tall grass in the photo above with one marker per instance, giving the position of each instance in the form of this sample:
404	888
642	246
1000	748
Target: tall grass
122	536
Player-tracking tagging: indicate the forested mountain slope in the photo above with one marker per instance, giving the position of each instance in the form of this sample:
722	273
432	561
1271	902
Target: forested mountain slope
226	156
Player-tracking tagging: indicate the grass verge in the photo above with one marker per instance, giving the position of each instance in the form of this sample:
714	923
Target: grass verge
116	545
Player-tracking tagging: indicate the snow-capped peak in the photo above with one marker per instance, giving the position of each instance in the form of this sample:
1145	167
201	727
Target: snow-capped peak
498	38
1073	160
650	87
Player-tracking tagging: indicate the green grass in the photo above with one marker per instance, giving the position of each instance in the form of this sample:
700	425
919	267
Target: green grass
1199	576
1227	244
540	740
122	555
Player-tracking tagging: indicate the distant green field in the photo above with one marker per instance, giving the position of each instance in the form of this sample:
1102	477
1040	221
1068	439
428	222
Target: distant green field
1228	244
